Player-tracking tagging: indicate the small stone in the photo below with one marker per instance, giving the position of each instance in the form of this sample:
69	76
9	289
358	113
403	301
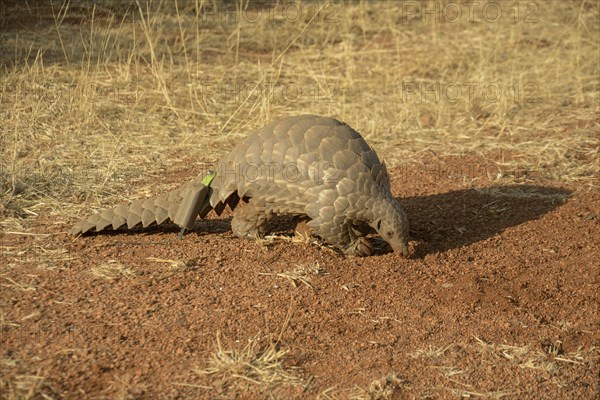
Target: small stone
591	216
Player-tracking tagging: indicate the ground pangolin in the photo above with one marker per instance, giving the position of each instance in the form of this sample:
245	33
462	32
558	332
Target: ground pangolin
313	167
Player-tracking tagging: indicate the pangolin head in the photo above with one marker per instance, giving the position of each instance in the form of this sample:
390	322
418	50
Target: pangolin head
392	225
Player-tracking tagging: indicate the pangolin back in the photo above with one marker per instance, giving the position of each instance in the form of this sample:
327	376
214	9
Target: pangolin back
301	164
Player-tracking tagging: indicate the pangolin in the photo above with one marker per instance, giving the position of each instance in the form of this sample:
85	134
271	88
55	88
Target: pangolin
315	168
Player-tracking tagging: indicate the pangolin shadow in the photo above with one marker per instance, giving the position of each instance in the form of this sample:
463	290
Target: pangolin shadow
459	218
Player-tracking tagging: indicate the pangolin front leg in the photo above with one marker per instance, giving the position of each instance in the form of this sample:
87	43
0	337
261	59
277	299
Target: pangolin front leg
251	221
343	235
359	245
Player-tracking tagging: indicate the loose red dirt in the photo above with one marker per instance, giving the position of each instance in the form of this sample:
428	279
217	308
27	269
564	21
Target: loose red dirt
498	299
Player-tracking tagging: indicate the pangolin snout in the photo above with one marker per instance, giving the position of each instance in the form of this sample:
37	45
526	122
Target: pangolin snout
401	248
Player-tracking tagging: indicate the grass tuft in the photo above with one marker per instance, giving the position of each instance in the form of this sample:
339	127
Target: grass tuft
251	366
548	360
110	270
386	388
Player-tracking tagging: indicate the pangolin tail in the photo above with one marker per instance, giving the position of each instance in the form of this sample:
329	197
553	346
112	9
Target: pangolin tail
182	206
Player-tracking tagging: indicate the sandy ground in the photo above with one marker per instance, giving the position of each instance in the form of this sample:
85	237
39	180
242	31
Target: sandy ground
498	299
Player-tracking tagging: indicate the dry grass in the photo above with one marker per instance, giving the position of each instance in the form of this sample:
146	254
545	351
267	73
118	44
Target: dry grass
548	364
111	270
254	366
174	265
301	238
40	256
430	352
167	267
525	357
301	275
127	387
99	102
24	387
468	394
5	323
385	388
11	283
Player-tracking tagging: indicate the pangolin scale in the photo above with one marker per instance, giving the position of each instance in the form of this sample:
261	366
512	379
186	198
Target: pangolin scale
313	167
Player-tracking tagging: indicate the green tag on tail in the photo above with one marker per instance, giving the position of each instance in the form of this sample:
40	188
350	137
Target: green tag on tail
193	200
209	178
